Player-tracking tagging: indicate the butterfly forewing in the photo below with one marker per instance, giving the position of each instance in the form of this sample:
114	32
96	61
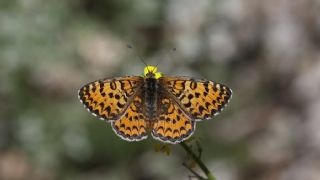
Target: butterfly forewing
200	99
172	125
108	99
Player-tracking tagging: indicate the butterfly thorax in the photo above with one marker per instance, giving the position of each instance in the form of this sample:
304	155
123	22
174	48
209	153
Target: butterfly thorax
150	90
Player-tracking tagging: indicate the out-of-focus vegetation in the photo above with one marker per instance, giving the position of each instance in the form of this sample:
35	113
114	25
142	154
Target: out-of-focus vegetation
268	52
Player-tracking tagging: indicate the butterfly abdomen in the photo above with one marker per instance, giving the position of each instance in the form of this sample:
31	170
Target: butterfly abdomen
150	94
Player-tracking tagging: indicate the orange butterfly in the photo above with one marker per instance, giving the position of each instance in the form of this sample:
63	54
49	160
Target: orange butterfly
168	106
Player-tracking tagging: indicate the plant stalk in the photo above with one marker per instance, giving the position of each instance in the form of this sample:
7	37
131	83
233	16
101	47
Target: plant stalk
202	166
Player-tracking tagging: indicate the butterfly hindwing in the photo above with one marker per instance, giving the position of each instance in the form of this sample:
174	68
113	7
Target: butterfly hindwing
200	99
172	125
132	125
108	99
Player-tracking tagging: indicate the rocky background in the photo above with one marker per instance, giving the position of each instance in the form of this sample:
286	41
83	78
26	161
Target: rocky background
268	52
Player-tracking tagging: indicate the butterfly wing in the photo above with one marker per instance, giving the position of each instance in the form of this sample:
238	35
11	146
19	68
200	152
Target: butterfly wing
132	125
199	99
109	98
172	125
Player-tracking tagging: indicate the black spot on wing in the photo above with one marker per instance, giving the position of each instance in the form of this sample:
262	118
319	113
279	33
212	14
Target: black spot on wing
168	129
135	127
120	105
108	109
102	105
188	104
193	85
201	109
113	86
117	96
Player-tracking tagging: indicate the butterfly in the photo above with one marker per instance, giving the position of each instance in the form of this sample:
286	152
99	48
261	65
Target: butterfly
169	107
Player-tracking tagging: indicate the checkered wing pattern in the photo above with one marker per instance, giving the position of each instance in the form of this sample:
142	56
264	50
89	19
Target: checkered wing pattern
132	126
172	125
199	99
108	99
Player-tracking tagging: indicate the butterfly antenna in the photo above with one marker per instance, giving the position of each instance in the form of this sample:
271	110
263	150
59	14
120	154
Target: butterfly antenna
141	59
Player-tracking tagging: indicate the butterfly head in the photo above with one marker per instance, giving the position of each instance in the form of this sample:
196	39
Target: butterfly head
151	71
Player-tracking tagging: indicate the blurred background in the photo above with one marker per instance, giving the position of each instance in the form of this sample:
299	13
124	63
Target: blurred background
268	52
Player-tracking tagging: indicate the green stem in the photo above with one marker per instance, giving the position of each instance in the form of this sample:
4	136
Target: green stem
202	166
